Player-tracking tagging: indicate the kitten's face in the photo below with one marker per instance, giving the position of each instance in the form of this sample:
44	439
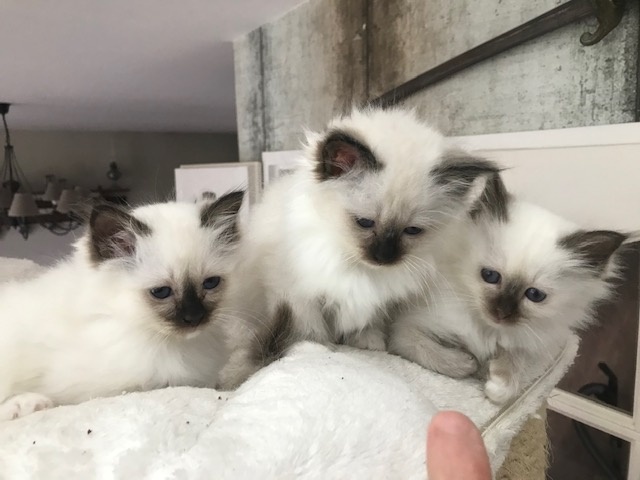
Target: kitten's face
536	270
178	258
387	183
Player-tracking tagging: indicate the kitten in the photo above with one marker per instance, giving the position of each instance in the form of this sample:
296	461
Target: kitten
131	309
335	244
513	283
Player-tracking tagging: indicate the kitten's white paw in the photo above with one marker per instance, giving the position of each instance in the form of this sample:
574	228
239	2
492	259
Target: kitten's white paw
499	390
370	339
24	404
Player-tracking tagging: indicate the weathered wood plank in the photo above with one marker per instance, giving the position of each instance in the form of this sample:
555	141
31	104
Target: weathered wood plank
314	67
247	52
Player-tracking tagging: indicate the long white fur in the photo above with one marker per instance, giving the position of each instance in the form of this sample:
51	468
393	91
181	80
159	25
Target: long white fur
525	245
81	330
298	246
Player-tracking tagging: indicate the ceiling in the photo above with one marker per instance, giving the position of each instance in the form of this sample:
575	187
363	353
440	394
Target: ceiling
138	65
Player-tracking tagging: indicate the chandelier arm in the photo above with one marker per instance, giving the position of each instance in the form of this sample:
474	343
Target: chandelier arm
20	176
59	229
6	130
5	169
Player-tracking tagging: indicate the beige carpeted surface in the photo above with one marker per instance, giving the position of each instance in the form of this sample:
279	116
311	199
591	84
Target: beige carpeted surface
527	457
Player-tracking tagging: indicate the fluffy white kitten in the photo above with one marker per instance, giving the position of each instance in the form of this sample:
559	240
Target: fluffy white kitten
512	284
335	245
129	310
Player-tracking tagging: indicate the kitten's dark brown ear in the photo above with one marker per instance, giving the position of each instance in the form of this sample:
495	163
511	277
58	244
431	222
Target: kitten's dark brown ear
494	201
466	177
113	232
595	248
224	211
340	153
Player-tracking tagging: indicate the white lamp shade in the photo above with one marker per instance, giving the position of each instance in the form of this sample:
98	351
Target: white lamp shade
5	197
53	191
23	205
68	200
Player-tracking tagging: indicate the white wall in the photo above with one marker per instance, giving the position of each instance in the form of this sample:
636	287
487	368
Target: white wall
146	160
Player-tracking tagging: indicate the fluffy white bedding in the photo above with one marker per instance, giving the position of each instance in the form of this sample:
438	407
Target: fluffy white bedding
314	414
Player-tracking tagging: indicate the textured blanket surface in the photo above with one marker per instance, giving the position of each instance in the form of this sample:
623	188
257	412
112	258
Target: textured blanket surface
318	413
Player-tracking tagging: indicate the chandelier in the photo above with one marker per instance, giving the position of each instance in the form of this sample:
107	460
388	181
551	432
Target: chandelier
55	209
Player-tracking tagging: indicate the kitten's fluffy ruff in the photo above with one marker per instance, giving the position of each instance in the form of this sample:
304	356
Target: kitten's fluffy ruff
454	313
301	249
85	329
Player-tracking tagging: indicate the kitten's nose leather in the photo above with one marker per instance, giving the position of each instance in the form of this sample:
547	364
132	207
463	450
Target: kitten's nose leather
194	317
191	312
386	248
506	309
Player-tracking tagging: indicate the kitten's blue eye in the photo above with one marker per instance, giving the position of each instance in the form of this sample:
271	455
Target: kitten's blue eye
490	276
161	292
535	295
365	222
211	283
413	230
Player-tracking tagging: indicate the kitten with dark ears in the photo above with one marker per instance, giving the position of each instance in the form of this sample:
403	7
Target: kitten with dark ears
335	245
513	282
131	309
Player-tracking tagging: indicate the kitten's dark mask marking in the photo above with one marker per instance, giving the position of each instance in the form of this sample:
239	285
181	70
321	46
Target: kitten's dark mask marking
505	305
340	153
112	233
494	201
224	207
186	309
459	170
595	248
386	247
190	311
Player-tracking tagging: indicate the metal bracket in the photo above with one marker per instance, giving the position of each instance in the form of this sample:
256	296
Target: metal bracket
609	13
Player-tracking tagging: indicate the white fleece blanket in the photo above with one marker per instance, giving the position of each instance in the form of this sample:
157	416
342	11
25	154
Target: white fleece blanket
314	414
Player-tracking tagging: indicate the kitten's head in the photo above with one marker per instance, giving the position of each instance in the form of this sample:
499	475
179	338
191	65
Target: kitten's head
533	269
385	183
173	259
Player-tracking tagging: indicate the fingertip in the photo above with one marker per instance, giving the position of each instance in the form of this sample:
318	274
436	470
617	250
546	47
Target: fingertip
455	448
450	422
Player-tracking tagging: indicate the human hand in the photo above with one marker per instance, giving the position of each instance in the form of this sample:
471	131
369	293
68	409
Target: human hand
455	449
